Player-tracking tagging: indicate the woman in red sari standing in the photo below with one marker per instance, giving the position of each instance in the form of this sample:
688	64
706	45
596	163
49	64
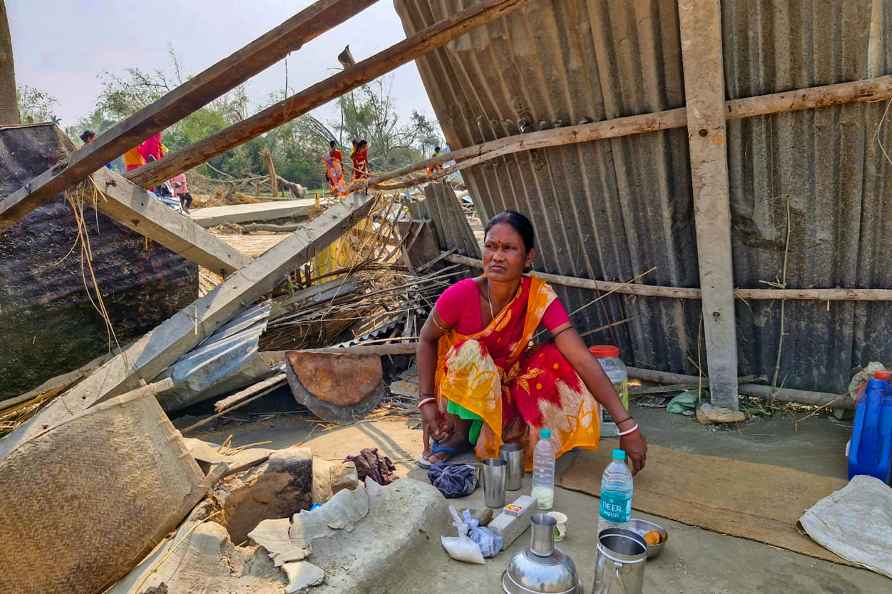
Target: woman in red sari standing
360	159
334	170
482	385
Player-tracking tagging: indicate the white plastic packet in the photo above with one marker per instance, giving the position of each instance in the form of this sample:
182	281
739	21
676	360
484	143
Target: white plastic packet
461	547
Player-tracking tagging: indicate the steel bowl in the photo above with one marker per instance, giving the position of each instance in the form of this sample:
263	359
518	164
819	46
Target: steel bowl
642	527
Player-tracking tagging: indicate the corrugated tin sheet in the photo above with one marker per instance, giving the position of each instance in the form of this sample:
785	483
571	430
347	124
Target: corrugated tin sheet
225	361
46	320
614	208
442	207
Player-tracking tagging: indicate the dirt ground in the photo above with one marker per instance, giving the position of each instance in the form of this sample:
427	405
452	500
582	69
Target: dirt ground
695	560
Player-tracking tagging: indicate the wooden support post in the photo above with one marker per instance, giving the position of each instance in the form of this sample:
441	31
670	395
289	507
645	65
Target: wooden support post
701	50
153	353
136	209
438	35
271	170
177	104
9	108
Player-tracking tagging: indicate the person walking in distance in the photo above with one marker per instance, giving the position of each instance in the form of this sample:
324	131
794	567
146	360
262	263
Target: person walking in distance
181	190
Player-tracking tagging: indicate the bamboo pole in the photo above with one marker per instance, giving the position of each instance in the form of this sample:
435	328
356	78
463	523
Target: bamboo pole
874	89
838	294
762	391
198	91
277	114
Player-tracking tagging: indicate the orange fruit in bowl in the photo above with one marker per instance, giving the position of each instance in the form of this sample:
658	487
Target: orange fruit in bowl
653	537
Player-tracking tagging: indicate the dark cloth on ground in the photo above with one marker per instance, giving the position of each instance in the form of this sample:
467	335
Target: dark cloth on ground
453	480
370	463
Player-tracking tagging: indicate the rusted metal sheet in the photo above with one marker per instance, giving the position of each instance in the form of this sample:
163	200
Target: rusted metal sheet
46	320
614	208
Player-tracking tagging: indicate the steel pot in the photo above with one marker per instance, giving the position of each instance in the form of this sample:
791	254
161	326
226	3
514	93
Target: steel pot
542	568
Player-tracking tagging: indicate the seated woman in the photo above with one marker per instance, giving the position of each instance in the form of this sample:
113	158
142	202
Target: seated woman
480	381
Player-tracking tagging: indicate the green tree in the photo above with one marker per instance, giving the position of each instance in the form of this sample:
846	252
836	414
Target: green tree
370	113
426	132
36	105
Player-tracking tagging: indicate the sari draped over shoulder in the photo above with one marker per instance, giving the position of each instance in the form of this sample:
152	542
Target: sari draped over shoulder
496	375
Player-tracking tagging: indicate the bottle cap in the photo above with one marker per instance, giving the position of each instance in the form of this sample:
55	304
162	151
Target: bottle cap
544	433
619	454
604	351
883	375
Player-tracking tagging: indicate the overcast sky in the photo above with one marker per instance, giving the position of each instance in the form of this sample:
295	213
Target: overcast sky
61	46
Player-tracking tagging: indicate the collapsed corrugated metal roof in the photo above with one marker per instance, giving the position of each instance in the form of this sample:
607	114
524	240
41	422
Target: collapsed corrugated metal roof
46	320
614	208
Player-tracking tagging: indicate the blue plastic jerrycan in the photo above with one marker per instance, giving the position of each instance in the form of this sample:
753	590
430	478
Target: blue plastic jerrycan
870	451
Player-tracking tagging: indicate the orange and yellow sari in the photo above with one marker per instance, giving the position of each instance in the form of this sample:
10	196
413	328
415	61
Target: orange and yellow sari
495	375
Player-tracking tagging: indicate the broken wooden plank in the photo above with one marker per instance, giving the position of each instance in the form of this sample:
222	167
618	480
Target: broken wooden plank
246	397
198	91
367	70
264	386
249	213
153	353
701	49
139	211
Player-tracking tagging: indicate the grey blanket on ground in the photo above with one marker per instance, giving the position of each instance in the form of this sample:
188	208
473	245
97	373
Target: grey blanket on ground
855	523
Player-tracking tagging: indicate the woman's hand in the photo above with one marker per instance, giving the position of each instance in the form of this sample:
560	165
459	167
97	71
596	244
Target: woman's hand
437	425
635	447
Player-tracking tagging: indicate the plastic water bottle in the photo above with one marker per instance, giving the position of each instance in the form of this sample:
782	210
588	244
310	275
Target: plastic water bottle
543	471
616	493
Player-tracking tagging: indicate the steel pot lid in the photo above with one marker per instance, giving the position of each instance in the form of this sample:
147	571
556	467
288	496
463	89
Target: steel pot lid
528	573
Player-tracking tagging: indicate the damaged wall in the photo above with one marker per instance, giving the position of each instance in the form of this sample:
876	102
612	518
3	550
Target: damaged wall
46	320
613	209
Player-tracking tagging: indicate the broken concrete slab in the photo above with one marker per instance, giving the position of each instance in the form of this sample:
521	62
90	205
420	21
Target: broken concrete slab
407	515
273	536
278	488
302	575
249	213
153	353
86	500
331	476
139	211
200	557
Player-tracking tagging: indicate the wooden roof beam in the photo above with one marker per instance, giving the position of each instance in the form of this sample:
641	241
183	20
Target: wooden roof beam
277	114
133	207
174	106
